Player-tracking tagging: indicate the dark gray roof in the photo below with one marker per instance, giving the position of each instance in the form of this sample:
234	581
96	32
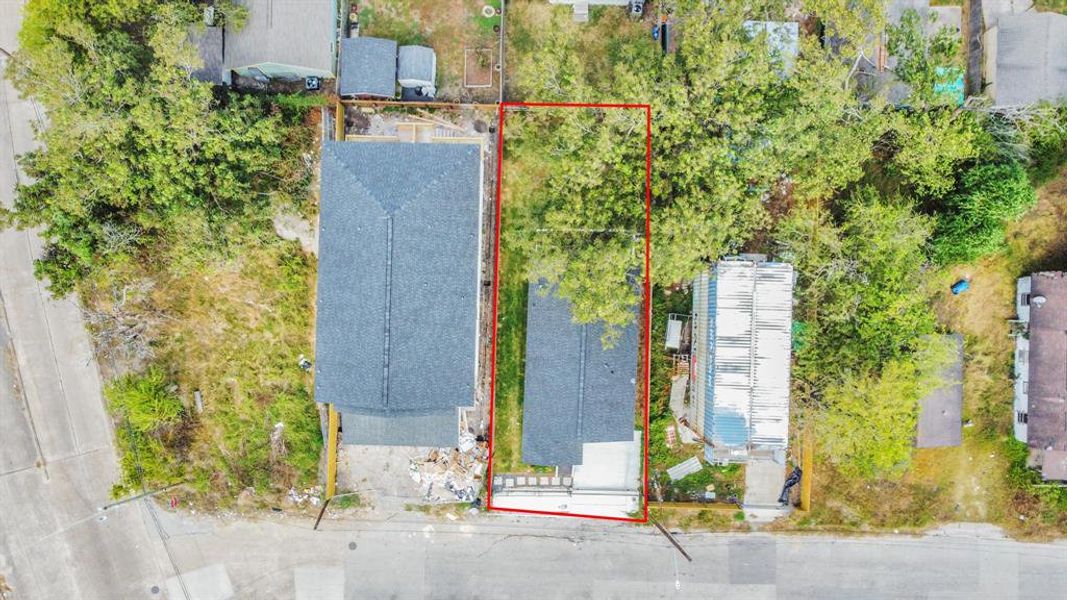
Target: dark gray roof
576	391
208	42
1047	413
1031	58
438	429
398	277
940	411
416	65
368	67
298	33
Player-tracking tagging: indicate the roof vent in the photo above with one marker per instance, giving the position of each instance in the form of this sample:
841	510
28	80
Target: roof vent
1038	301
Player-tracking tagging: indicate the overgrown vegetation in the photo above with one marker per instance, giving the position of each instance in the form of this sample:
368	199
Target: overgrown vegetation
868	200
155	194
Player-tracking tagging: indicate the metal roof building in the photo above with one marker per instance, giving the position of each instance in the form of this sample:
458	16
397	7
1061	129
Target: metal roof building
1026	58
742	336
1045	361
368	68
940	412
576	390
416	66
397	321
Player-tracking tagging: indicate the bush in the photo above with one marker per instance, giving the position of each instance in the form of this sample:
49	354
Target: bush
987	197
151	432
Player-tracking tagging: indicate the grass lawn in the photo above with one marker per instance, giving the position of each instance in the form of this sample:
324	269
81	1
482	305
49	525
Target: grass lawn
510	353
1059	6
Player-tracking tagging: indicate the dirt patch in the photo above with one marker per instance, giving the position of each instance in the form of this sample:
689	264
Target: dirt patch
478	69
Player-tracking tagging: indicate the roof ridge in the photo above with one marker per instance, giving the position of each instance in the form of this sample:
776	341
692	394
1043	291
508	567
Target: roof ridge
346	168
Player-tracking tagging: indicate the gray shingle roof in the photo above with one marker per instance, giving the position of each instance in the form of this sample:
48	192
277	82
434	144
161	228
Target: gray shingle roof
416	66
208	42
576	391
368	67
940	411
398	269
1031	59
438	429
298	33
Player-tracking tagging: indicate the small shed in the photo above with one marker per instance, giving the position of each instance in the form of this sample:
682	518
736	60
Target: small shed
940	411
368	68
417	68
674	333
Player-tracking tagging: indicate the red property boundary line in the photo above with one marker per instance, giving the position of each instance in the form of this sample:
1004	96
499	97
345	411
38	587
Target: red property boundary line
647	316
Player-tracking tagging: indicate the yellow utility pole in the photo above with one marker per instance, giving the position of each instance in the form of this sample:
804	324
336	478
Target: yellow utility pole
331	453
807	460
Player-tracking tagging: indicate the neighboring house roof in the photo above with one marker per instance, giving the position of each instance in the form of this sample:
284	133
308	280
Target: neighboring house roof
416	66
368	67
398	281
743	360
208	42
1030	58
1054	466
783	38
576	391
1047	413
285	33
437	429
940	411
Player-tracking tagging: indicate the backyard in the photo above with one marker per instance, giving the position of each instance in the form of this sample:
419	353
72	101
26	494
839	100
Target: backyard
465	34
536	202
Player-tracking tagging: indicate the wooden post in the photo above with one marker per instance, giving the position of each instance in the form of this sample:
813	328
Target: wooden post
339	118
807	459
331	453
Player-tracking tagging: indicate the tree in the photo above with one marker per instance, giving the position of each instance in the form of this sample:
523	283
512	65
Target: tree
929	146
868	428
730	125
928	64
858	285
849	21
133	142
972	222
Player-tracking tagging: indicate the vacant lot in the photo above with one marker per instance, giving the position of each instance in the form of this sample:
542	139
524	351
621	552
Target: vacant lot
984	479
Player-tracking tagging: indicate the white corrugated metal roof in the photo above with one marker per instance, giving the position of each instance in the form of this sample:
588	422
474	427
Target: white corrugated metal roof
749	348
686	467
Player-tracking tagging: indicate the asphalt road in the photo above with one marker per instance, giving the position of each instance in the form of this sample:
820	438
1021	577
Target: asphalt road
57	466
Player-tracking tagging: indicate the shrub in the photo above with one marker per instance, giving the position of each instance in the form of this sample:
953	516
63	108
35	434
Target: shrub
972	225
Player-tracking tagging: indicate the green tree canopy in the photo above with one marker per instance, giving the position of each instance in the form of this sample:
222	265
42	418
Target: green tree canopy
971	224
132	141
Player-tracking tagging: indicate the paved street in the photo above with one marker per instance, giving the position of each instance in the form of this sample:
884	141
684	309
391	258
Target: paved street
57	466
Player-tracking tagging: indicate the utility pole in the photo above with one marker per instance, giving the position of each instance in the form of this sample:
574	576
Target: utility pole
672	540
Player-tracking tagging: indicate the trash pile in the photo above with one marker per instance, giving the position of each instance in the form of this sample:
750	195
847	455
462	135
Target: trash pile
310	495
451	474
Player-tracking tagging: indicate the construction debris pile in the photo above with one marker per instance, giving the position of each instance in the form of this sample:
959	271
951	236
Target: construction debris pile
451	474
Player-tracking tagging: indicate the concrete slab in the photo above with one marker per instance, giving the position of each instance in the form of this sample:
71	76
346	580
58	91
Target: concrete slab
319	583
763	483
209	583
